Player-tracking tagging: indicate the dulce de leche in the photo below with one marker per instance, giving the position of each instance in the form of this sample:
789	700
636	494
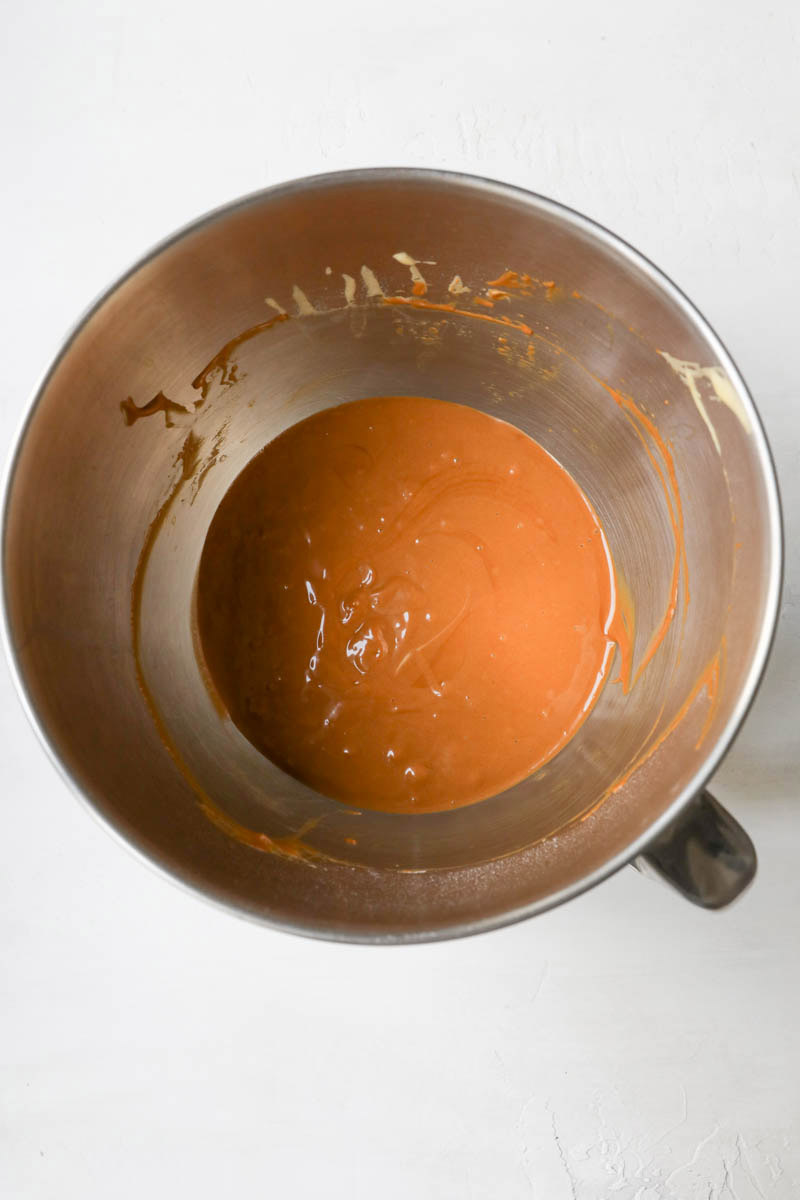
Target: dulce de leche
406	604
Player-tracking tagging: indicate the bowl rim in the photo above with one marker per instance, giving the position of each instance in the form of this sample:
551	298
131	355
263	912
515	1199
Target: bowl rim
766	636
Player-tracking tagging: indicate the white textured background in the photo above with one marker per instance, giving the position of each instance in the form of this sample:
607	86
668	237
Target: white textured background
627	1047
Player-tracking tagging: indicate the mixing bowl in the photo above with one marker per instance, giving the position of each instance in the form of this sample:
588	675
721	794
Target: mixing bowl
369	283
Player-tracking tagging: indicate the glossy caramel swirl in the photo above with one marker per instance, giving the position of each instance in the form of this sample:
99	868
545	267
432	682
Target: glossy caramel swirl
406	604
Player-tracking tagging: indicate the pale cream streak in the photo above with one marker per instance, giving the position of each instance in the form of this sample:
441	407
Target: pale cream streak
413	265
304	306
456	287
274	304
371	283
691	373
349	288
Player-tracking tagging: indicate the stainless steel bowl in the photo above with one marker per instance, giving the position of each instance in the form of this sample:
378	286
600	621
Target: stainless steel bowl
106	511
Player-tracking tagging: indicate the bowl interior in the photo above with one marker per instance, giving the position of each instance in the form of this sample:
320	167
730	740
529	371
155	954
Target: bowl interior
310	296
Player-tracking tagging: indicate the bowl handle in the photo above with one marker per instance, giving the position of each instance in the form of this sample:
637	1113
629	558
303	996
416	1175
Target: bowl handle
704	854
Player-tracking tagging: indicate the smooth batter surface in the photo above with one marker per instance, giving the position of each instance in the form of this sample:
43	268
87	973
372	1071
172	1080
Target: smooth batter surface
406	604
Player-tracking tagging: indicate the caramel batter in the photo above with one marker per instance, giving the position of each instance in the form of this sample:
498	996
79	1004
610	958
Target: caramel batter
407	604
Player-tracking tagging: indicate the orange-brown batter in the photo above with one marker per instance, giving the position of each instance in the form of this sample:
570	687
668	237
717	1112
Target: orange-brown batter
406	603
